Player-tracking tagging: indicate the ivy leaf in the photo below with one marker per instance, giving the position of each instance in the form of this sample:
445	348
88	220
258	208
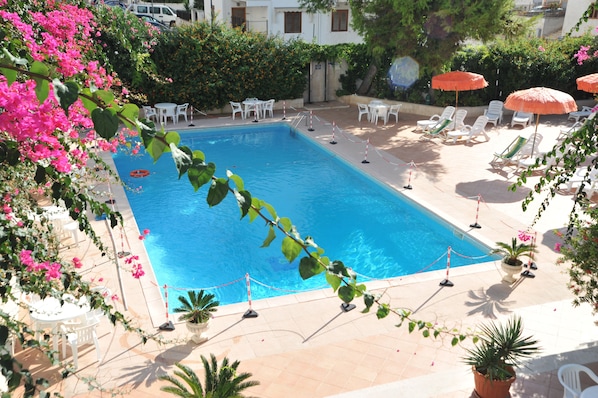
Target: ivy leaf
271	236
66	93
285	223
105	96
105	122
218	191
308	267
200	173
346	293
42	87
383	311
338	268
290	248
244	204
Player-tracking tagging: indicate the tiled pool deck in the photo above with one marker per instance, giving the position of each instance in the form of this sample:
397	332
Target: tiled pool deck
305	346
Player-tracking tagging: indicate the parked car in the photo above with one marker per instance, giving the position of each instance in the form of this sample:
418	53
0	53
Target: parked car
111	3
548	11
161	13
154	22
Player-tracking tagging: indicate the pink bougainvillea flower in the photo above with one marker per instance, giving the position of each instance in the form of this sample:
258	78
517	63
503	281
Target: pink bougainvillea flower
524	236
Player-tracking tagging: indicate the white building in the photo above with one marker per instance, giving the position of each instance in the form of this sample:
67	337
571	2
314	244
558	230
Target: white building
575	10
285	19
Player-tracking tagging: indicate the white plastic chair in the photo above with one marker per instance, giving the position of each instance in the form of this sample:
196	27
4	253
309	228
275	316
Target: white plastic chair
181	110
268	107
478	128
568	376
77	336
459	121
363	110
394	111
237	108
494	112
150	113
522	119
436	120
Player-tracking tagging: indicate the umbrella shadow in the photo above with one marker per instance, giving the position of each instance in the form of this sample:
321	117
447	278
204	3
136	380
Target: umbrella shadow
496	191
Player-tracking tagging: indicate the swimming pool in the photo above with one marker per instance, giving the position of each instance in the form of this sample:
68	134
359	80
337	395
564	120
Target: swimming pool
375	231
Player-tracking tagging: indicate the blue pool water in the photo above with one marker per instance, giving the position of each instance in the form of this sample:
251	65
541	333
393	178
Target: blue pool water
356	220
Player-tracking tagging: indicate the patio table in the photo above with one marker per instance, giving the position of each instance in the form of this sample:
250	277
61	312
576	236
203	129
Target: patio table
165	110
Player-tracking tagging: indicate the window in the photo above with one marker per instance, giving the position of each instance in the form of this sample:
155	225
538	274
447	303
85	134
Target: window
292	22
340	20
142	10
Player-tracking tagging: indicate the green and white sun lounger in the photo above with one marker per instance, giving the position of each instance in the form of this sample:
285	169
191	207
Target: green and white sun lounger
510	152
437	130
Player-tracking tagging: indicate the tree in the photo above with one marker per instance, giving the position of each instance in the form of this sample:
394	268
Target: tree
430	31
218	383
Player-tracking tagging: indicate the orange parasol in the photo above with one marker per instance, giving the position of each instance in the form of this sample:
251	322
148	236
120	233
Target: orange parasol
458	81
588	83
540	101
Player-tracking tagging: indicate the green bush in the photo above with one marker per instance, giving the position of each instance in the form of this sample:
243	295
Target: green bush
212	65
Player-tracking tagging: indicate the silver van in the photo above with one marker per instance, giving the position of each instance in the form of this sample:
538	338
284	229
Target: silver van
162	13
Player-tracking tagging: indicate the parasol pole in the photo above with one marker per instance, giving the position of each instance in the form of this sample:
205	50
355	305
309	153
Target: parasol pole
535	131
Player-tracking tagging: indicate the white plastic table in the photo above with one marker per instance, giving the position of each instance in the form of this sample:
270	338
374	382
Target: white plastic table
378	108
165	109
253	104
590	392
49	311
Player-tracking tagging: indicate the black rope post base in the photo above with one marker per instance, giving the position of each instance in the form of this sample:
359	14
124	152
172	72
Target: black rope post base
346	307
528	274
166	326
476	225
250	314
446	283
407	186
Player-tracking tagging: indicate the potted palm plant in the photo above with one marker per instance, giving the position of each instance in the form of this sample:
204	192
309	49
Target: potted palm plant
511	253
222	383
499	349
197	309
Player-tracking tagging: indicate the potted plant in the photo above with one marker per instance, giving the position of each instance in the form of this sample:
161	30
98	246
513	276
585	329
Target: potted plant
197	309
223	382
511	263
499	349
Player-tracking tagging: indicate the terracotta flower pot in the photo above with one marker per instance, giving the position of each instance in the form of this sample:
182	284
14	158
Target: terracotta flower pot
510	270
486	388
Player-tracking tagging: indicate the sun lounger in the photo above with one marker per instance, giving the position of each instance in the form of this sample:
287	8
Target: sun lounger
437	130
509	152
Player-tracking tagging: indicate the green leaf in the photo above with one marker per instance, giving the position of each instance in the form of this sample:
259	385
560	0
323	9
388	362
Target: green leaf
10	75
454	341
200	173
271	236
218	191
411	326
182	158
172	137
238	182
290	248
86	99
308	267
383	311
156	146
338	268
346	293
368	300
285	223
244	204
105	122
40	175
270	209
105	96
66	93
131	113
333	280
42	86
426	333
